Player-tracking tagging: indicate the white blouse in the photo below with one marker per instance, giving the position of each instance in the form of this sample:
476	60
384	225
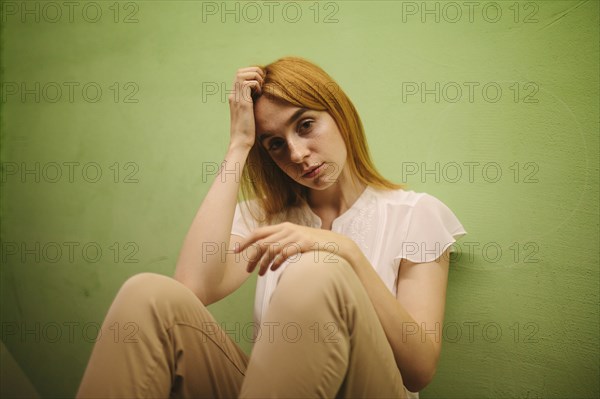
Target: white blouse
387	225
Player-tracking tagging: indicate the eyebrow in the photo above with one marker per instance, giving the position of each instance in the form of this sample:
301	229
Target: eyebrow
292	119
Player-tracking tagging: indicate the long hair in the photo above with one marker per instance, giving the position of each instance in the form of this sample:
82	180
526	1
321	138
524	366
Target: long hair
301	83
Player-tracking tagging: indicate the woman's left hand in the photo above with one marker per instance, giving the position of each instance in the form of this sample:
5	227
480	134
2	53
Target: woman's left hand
284	240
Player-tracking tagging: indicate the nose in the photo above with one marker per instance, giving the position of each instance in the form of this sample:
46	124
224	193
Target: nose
298	150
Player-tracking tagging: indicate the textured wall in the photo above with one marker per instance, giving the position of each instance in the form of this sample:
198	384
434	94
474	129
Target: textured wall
490	106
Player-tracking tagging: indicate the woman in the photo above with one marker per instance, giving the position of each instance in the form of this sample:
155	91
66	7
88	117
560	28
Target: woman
352	268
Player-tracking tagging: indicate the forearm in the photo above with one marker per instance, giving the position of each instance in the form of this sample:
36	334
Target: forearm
211	228
414	354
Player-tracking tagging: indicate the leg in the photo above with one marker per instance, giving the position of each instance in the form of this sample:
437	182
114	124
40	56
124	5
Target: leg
341	351
172	346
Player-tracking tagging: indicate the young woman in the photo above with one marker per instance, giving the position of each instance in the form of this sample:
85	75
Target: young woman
352	268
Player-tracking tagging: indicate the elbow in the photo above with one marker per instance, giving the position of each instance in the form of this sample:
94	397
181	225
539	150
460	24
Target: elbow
422	376
419	381
193	286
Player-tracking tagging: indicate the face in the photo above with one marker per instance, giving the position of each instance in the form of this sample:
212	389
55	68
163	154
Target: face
306	144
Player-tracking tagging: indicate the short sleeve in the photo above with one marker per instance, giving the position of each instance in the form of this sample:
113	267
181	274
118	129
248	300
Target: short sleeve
243	223
432	228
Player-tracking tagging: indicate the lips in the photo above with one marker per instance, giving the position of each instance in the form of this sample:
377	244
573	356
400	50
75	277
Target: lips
310	172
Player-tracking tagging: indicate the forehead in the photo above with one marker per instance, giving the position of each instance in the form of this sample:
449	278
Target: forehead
271	115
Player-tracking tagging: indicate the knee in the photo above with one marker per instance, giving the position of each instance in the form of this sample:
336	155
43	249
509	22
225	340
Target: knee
316	271
314	285
153	289
145	282
323	262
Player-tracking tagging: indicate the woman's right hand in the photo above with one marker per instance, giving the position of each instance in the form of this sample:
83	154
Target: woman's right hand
241	105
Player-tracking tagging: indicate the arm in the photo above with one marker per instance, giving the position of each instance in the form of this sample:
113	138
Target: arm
419	306
210	230
213	276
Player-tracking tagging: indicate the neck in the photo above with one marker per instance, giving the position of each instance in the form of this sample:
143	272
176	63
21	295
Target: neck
337	198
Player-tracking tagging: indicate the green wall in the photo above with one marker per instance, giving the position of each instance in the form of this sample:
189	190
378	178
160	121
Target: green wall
516	159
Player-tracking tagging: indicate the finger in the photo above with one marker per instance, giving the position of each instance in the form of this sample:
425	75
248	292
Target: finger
242	245
255	86
260	233
252	79
277	254
262	247
255	72
248	86
268	248
252	69
263	266
250	75
253	83
270	257
255	257
246	242
287	252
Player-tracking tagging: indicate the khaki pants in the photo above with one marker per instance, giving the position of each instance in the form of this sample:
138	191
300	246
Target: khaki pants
320	338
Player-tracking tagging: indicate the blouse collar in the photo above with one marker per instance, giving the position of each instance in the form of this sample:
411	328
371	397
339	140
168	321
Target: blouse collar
360	202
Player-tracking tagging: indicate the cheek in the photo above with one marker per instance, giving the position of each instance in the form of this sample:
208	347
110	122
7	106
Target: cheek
340	143
288	168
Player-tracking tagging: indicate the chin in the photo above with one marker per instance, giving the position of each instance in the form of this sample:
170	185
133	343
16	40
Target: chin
321	186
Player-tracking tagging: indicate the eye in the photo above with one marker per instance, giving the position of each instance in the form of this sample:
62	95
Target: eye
307	123
274	144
